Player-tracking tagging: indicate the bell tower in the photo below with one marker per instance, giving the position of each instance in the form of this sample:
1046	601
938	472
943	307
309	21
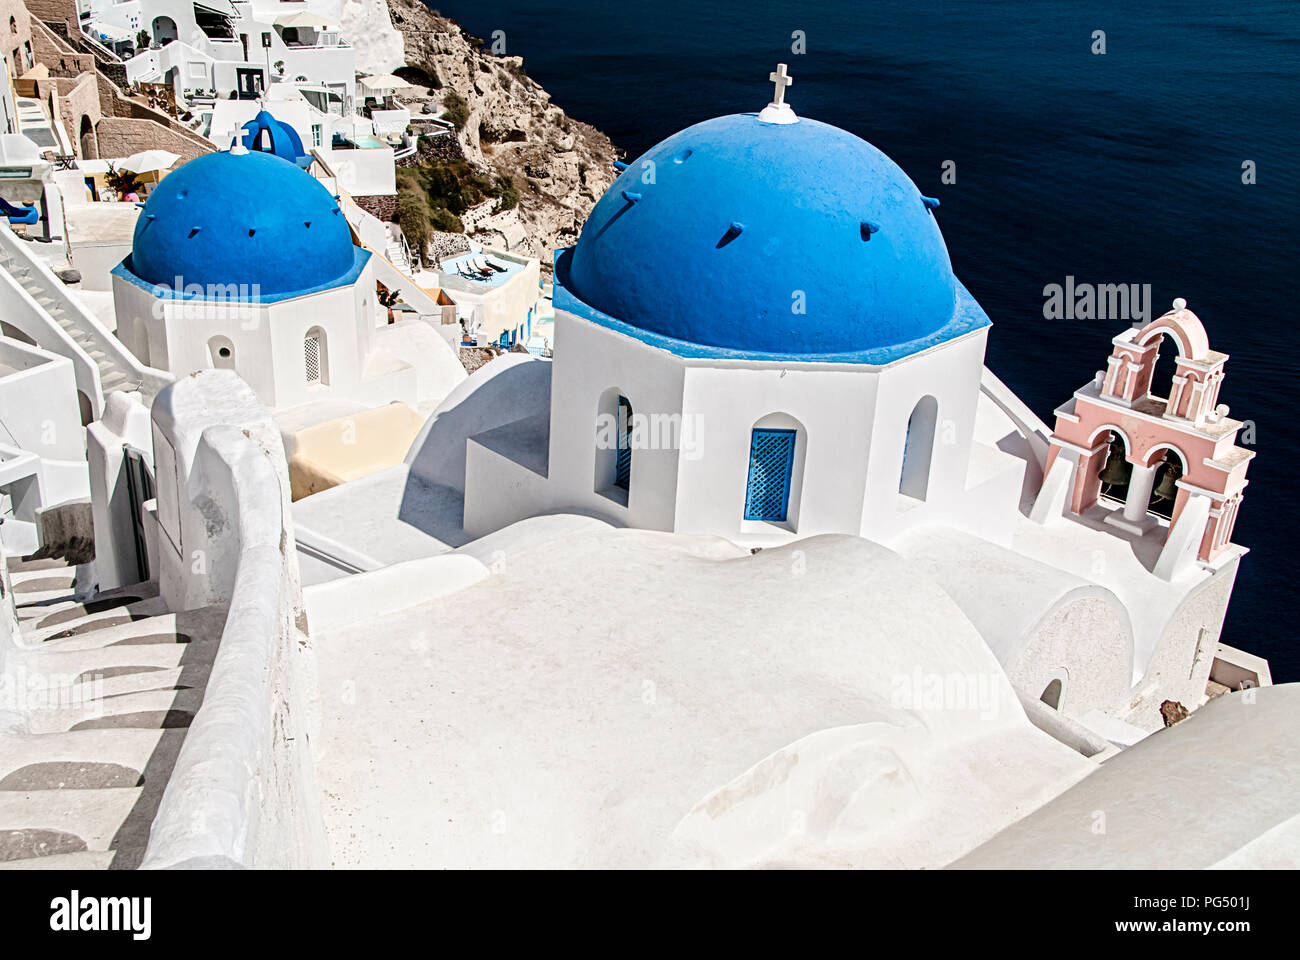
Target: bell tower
1117	447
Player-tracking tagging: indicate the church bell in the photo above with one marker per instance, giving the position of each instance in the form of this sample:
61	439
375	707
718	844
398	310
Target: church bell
1167	488
1117	469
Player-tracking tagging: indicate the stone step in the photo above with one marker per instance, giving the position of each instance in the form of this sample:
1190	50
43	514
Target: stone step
147	709
85	860
123	659
127	747
44	822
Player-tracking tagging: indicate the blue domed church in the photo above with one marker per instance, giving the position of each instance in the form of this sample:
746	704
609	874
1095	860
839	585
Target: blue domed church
242	260
761	321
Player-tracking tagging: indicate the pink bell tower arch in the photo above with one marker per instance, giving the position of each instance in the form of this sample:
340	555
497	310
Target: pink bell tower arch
1189	428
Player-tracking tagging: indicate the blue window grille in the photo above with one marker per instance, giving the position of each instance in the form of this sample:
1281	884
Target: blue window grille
623	464
771	461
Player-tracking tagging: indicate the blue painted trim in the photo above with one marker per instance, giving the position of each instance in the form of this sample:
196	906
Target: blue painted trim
623	458
967	316
360	258
758	492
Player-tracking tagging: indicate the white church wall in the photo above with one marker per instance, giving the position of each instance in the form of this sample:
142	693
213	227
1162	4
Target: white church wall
830	406
134	309
263	341
951	375
590	361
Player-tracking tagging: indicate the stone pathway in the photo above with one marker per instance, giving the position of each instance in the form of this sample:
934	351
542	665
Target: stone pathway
95	705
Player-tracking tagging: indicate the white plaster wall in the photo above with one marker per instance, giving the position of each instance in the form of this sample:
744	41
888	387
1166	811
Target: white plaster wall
266	338
951	374
833	410
419	342
1041	622
1180	664
199	549
590	360
125	421
852	423
29	318
38	402
362	173
243	789
495	394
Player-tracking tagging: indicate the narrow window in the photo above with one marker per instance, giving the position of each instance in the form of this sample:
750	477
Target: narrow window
914	478
771	461
315	357
623	463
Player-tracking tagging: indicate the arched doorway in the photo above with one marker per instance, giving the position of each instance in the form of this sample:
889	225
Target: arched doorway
164	30
86	134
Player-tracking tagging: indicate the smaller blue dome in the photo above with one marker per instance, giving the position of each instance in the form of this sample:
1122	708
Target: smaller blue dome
269	135
245	218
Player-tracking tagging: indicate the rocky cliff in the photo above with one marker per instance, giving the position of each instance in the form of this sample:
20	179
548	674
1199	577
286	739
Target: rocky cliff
558	166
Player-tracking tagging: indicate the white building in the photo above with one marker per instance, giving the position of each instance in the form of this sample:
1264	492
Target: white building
233	48
362	164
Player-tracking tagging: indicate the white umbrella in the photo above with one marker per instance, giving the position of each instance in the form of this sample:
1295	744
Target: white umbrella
149	160
386	81
108	31
305	19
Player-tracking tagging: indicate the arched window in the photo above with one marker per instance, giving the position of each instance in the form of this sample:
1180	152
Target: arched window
164	30
918	449
774	479
614	445
316	357
221	352
1052	694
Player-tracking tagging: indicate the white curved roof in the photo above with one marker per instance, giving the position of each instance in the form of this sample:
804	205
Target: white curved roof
621	698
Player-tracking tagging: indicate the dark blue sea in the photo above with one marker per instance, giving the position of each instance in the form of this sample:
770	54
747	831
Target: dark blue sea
1124	167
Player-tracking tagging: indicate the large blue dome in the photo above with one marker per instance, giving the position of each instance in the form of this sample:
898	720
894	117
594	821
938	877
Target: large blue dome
246	218
722	233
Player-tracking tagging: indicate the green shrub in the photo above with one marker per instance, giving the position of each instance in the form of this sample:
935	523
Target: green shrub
413	217
446	221
456	110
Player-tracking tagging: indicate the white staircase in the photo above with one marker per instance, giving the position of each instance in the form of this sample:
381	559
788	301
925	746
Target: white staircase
83	767
118	368
398	252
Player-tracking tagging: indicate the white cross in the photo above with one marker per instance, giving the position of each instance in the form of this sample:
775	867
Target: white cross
782	80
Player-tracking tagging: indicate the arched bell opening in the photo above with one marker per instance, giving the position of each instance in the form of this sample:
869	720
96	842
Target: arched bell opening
1116	472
